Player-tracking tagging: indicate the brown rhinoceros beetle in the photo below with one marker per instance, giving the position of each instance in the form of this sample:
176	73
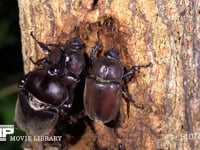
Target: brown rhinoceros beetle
105	86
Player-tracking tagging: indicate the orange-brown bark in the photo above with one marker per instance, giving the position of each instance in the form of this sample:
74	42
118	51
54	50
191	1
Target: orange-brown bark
165	33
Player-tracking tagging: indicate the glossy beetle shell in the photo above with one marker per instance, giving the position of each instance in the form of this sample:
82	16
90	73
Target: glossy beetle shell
42	98
107	69
102	99
33	122
103	93
48	92
47	88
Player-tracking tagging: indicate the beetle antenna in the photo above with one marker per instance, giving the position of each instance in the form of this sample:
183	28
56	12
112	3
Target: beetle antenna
77	30
112	53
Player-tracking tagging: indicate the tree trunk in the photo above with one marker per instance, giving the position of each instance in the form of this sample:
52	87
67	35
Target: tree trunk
165	33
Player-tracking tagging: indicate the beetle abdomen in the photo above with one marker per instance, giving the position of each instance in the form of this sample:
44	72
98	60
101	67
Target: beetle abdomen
102	100
26	117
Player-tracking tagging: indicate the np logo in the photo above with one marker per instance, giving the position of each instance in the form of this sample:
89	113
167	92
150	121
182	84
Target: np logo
5	130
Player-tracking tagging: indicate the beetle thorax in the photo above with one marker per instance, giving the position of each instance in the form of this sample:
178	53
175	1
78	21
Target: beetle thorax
107	69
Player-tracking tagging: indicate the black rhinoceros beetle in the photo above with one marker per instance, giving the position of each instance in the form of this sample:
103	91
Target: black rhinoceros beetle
41	100
48	91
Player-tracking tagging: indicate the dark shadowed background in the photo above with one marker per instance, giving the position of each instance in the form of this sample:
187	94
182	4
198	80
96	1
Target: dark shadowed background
11	66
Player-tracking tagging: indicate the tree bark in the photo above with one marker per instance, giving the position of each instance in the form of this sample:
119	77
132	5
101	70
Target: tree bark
165	33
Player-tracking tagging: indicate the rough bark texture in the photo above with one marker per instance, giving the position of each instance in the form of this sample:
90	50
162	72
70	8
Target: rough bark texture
163	32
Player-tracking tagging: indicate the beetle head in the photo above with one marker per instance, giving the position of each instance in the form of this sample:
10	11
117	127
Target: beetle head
113	53
76	43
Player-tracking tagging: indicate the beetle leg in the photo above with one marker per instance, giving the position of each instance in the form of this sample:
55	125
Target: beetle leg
134	69
21	83
44	46
128	99
121	146
94	50
88	122
96	147
39	62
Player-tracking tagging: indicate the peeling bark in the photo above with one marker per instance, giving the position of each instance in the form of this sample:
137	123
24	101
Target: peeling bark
165	33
